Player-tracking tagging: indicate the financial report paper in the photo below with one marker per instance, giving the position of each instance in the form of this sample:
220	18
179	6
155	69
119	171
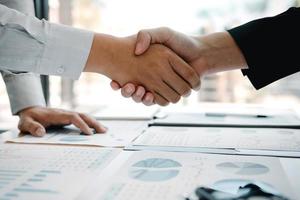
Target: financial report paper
155	175
221	138
230	119
49	172
119	134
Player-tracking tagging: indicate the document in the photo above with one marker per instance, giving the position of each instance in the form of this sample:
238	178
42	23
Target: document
119	134
49	172
127	112
154	175
227	119
217	140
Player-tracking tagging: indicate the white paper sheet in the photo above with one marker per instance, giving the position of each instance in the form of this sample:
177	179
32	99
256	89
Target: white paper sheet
151	175
49	172
119	134
127	112
231	119
222	138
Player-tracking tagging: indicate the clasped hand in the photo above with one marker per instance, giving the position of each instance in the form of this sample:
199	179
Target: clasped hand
179	72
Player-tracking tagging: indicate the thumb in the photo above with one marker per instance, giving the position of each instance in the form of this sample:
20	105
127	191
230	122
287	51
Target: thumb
143	42
31	126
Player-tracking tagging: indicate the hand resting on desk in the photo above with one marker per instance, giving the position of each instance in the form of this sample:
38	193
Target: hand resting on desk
35	119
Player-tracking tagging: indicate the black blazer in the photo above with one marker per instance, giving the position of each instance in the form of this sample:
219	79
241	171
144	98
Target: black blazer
271	47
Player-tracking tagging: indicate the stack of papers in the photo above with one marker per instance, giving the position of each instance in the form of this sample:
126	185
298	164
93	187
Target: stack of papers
248	141
157	175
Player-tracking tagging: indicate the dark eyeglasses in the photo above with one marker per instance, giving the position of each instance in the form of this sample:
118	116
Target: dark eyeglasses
247	192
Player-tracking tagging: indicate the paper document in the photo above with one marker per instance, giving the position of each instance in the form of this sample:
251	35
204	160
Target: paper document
226	119
158	175
240	141
49	172
224	138
127	112
119	134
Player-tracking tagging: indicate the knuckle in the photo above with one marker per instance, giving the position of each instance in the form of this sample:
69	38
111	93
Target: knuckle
20	126
164	28
84	115
31	126
74	116
142	31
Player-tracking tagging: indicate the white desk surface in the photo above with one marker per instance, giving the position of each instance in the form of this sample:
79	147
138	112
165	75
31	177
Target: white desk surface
290	165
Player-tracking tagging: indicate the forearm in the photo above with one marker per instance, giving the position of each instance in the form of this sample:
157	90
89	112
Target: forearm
218	52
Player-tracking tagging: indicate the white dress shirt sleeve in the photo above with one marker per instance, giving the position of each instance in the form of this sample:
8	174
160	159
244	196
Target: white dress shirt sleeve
31	45
24	90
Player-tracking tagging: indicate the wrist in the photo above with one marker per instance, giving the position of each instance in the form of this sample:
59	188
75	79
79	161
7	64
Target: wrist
101	54
25	110
108	55
218	52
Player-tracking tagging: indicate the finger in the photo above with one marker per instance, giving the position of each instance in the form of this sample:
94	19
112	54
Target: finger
93	123
147	37
185	71
77	121
178	84
143	42
160	100
139	94
115	85
148	99
168	93
31	126
128	90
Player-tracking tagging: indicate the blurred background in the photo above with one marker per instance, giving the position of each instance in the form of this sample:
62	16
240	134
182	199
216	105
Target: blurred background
194	17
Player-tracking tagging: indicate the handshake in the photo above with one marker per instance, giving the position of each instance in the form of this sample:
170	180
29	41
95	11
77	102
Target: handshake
159	66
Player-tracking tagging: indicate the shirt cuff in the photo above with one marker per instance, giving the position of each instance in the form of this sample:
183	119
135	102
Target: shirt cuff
24	90
66	51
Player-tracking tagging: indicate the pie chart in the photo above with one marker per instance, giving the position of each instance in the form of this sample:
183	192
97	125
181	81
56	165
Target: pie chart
243	168
155	170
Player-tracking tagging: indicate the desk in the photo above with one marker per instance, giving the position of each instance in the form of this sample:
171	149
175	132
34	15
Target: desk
290	166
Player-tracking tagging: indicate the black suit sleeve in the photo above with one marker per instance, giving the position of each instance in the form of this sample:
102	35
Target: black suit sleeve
271	47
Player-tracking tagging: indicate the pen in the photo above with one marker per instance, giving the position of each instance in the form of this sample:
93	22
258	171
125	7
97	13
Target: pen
235	115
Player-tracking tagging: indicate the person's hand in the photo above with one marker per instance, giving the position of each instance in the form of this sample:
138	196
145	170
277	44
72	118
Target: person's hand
159	70
206	54
185	46
35	120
